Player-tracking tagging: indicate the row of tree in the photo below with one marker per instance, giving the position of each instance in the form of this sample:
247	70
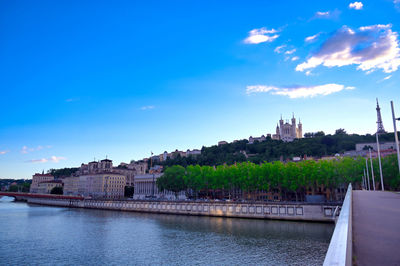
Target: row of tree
293	181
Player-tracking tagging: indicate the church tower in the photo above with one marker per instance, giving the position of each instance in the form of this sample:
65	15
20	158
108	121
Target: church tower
293	133
299	130
379	123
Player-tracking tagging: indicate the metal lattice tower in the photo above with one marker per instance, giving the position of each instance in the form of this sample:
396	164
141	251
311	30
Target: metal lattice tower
379	123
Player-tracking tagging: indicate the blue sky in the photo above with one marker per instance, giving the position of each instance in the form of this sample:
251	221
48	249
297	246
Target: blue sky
86	79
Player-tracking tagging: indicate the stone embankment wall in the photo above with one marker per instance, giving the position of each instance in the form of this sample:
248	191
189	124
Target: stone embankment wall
297	212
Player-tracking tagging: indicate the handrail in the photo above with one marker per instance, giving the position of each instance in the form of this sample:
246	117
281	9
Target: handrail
340	247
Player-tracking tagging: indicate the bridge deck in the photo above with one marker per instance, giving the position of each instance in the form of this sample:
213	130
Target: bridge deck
376	228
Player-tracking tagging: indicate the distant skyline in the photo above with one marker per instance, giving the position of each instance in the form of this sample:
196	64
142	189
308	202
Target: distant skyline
90	79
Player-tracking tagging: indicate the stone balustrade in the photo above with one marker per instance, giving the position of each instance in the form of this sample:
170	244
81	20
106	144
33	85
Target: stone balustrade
295	211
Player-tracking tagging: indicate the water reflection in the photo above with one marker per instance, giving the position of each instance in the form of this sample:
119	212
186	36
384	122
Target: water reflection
49	235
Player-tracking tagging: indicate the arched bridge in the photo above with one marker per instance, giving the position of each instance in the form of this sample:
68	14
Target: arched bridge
25	196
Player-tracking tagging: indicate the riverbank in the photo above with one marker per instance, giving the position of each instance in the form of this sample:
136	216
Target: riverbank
278	211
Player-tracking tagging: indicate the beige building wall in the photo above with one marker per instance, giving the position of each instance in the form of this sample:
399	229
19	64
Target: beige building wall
38	178
106	185
46	187
71	185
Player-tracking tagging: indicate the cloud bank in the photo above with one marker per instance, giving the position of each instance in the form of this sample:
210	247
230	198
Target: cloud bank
261	35
297	91
371	48
53	159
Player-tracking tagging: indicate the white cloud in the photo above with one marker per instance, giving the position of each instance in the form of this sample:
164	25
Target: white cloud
385	78
53	159
298	91
311	38
279	48
148	107
294	58
261	35
320	14
308	73
26	149
371	48
356	5
290	51
72	100
4	152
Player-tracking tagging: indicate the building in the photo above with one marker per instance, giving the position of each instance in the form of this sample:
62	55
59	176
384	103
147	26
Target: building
46	187
194	152
222	142
259	139
38	178
146	187
71	185
374	147
288	131
102	185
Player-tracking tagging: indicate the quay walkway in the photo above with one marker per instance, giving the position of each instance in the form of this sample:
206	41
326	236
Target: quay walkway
367	231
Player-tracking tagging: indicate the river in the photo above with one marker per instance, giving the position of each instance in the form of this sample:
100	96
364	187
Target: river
33	235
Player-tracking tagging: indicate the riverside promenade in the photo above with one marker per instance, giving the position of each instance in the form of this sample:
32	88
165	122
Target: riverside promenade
376	228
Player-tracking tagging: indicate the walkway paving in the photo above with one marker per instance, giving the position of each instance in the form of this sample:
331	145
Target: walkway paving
376	228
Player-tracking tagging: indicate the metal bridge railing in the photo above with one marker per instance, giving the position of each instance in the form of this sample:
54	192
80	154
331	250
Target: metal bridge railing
340	247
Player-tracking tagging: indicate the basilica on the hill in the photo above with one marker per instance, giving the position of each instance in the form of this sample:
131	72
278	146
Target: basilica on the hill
288	131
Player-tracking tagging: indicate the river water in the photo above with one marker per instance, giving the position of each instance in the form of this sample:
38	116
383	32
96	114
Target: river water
40	235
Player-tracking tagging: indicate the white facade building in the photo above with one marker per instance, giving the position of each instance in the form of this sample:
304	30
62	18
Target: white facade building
146	187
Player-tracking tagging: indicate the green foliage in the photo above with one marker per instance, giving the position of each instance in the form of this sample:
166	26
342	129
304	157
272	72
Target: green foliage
57	191
316	145
57	173
173	179
13	188
290	179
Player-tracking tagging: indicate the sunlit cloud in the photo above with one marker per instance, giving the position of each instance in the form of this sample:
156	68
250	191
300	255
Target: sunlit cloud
4	152
356	5
148	107
26	149
298	91
279	49
388	77
261	35
52	159
295	58
290	51
371	48
311	38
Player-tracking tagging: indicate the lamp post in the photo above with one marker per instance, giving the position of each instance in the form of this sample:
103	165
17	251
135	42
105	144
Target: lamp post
379	160
366	166
395	135
372	169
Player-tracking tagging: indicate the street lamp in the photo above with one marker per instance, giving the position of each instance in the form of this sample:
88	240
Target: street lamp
395	135
372	169
379	160
366	166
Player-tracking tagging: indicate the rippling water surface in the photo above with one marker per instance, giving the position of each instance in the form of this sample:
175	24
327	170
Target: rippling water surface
33	235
